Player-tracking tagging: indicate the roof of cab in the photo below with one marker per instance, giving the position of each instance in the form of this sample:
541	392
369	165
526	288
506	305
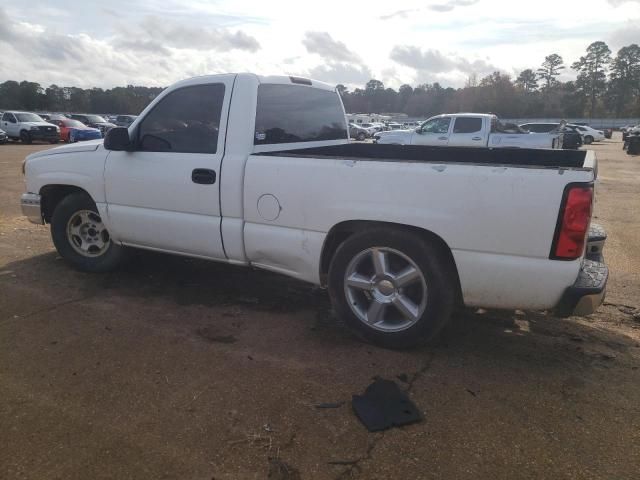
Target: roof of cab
278	79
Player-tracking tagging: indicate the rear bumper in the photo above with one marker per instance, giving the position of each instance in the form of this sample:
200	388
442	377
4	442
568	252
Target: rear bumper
30	204
587	293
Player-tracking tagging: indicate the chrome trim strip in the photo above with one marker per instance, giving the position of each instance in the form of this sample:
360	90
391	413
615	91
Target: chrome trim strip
30	204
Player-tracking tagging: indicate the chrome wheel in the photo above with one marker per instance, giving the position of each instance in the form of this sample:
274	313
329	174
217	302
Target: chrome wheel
385	289
87	234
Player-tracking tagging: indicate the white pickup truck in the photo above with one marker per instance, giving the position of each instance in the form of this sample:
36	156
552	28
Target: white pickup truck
467	130
259	171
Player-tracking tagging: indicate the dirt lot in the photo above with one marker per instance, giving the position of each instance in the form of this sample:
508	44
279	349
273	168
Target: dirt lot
181	369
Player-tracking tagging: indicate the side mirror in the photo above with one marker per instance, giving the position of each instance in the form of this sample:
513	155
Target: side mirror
117	139
419	130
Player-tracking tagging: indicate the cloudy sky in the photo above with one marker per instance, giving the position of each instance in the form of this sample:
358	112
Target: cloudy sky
156	42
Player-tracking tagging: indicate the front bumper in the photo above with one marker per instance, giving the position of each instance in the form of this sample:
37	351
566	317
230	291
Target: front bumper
30	204
39	135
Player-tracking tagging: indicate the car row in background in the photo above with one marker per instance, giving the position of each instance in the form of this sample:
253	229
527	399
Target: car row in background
574	135
53	127
72	130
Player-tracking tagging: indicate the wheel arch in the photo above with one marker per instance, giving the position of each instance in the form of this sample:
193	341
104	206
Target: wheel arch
343	230
52	195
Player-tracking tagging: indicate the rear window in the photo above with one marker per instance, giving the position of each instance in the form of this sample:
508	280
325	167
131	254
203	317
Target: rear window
467	125
295	113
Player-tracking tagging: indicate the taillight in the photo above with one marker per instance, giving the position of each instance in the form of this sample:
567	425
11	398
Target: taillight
573	223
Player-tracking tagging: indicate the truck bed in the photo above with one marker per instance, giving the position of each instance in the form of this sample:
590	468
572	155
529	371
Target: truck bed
514	157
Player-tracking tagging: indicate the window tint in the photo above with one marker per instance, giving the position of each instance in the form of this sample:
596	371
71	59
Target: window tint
8	117
28	117
294	113
186	120
437	125
467	125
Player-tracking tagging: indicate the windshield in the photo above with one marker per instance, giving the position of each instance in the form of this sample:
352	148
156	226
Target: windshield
95	119
28	117
73	123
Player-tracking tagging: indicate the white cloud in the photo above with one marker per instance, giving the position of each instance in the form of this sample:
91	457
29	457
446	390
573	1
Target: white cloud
155	42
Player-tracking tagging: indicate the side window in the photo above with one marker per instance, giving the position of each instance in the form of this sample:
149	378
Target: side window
437	125
8	117
467	125
187	120
296	113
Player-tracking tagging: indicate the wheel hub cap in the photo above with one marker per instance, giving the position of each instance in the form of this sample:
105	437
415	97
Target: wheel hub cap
385	289
87	234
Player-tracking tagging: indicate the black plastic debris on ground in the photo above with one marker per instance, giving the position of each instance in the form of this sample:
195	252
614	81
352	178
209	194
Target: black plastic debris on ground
384	405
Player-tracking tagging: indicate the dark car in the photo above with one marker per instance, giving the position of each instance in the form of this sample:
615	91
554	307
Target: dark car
93	121
571	137
125	120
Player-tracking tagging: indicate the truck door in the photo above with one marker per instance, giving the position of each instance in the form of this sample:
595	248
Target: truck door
433	132
10	124
165	193
468	132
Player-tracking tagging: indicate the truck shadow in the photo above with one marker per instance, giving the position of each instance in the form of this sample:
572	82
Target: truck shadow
184	282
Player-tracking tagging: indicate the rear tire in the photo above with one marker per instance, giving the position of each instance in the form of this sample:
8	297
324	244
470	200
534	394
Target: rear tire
588	140
361	136
80	236
403	299
25	137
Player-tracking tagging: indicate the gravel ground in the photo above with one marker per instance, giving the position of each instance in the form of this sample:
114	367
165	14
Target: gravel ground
179	368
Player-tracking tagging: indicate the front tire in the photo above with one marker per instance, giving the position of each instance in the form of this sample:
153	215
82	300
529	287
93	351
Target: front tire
25	137
392	287
361	136
588	140
80	236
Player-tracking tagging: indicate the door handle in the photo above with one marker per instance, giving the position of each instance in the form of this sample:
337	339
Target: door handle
476	138
203	176
443	138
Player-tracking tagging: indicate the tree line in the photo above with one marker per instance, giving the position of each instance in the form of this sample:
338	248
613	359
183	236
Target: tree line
32	96
606	86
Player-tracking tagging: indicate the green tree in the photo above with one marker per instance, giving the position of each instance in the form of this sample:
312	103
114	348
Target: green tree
624	84
550	69
592	73
527	80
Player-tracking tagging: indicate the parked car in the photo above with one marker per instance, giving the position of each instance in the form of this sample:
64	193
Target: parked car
125	120
399	234
629	133
358	132
27	127
467	130
589	135
75	131
94	121
571	137
625	132
369	127
4	138
394	126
